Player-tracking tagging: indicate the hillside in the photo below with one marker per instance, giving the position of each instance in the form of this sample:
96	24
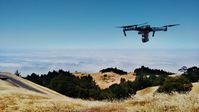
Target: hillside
104	80
19	82
14	97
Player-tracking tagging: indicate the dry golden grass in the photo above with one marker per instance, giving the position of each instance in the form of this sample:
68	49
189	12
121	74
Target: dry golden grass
26	101
16	99
155	103
195	87
110	79
6	85
146	91
38	87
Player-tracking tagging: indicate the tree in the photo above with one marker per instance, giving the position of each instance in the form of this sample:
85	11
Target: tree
114	70
183	69
17	73
35	78
192	74
73	86
175	84
147	71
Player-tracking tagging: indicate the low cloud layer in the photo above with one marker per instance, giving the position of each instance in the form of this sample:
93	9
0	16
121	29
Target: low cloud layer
28	62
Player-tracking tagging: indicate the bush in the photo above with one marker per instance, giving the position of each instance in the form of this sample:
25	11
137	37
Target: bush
72	86
192	74
175	84
147	71
114	70
144	81
35	78
120	91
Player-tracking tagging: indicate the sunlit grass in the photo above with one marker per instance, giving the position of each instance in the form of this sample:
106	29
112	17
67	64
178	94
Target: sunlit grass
16	99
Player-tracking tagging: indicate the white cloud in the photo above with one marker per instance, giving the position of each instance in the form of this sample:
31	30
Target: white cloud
15	65
94	60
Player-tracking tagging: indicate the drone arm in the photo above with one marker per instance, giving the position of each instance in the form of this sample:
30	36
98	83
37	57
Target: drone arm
154	29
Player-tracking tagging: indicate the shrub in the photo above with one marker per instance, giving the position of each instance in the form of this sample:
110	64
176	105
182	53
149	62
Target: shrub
175	84
114	70
147	71
122	90
35	78
192	74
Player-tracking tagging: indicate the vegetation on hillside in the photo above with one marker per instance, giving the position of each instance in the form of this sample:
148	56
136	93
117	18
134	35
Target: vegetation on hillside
175	84
114	70
147	71
85	87
191	73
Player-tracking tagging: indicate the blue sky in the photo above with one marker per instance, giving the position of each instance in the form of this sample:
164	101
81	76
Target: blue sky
38	35
63	24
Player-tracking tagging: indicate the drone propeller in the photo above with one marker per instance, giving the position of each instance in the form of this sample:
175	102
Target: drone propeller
129	26
171	25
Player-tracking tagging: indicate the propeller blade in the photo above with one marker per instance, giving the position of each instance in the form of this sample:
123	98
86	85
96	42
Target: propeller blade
142	24
171	25
129	26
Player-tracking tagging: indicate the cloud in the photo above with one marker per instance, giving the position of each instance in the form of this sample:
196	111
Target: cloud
94	60
15	65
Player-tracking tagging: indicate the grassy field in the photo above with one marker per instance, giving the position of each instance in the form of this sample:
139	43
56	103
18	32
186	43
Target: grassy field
13	98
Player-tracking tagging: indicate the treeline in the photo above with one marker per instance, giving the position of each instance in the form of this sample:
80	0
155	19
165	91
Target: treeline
85	87
67	84
147	71
152	77
192	74
114	70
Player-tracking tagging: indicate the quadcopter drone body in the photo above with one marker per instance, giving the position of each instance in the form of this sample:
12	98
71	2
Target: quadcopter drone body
144	30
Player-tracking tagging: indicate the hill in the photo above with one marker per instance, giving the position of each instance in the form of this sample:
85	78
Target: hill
104	80
18	94
15	97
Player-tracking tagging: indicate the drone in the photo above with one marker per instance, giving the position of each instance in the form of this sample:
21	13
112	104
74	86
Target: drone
144	30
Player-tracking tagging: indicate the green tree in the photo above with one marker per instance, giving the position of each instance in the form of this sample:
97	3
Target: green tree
192	74
175	84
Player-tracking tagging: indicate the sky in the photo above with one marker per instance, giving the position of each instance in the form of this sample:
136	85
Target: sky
43	35
91	24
